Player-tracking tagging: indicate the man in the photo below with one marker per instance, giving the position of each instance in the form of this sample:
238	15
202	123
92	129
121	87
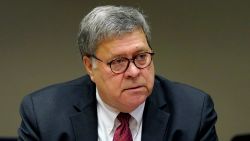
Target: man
121	98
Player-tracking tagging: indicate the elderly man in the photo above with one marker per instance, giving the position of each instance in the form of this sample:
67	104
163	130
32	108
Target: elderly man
121	98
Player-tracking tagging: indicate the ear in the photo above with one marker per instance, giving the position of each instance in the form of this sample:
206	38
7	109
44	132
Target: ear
88	66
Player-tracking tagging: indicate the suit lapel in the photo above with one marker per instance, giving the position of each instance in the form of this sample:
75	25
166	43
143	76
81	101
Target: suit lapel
154	124
85	124
84	121
155	116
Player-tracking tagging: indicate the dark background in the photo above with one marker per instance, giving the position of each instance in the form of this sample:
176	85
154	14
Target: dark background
202	43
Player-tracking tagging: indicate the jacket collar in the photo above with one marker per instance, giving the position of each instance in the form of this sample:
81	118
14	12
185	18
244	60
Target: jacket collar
155	116
85	122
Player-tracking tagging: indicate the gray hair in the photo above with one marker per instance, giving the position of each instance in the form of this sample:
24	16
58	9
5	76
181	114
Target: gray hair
105	22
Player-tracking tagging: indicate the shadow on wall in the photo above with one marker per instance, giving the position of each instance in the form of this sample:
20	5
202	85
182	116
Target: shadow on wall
8	139
243	137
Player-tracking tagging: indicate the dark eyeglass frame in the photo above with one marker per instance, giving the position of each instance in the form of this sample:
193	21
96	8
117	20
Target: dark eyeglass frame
128	60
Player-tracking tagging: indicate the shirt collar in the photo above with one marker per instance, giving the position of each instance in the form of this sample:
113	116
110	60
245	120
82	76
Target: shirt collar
108	113
138	112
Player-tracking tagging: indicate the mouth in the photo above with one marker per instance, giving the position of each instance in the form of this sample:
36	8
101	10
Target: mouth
134	88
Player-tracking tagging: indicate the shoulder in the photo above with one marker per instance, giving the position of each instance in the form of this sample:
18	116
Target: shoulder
59	95
62	89
177	89
191	110
181	96
50	108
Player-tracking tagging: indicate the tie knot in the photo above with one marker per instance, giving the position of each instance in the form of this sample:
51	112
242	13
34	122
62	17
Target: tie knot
122	132
123	117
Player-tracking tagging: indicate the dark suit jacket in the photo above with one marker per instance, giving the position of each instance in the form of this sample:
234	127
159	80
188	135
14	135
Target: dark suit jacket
67	112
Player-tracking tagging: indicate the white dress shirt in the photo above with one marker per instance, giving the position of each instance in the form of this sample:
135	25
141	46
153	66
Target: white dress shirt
107	122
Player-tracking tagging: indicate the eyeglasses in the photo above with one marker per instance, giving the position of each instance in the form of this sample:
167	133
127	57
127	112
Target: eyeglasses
121	64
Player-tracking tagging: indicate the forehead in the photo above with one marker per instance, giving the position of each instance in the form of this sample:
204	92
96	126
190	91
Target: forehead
125	44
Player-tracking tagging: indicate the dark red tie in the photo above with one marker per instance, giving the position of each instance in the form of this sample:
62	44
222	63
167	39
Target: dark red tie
122	132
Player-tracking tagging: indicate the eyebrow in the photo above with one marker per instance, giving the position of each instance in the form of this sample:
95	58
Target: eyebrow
125	56
139	49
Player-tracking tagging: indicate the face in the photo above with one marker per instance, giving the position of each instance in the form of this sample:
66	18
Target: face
123	91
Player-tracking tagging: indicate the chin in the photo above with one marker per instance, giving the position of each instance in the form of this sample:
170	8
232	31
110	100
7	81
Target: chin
132	103
136	101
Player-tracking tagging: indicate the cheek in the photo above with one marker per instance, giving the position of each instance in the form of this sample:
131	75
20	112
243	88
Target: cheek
115	82
101	74
109	82
149	75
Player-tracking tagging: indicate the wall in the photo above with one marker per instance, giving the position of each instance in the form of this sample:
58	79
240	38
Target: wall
202	43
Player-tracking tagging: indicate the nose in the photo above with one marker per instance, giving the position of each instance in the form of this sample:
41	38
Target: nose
132	70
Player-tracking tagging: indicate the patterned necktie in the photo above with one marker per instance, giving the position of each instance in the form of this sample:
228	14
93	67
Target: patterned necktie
122	132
